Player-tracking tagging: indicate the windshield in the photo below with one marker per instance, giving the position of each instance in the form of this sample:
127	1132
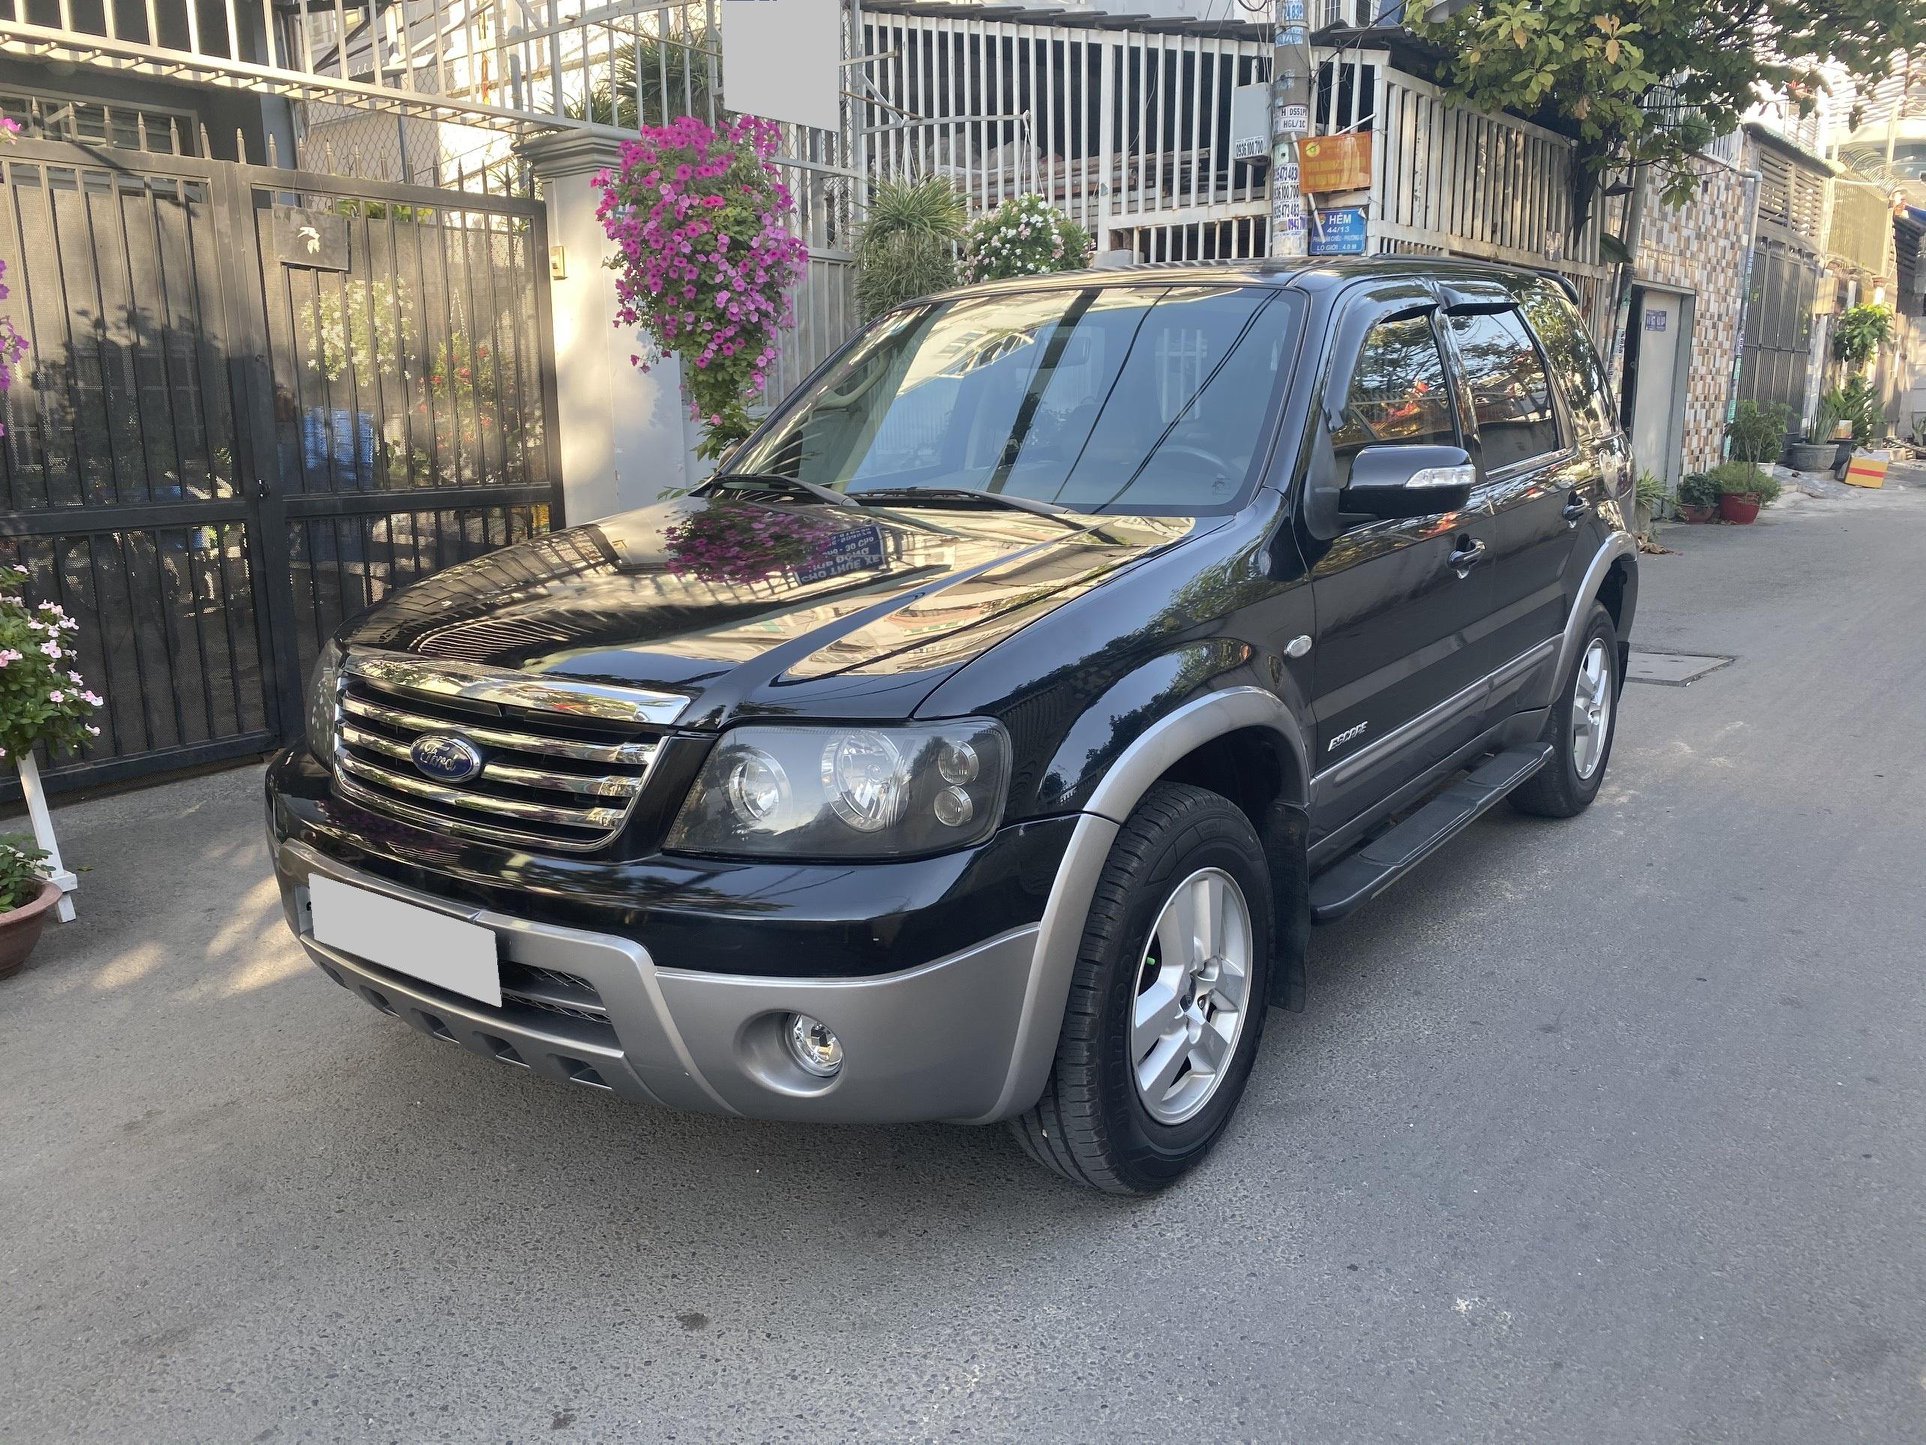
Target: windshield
1150	400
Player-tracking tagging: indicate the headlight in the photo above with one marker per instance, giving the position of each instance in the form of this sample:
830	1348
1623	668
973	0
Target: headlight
324	701
847	792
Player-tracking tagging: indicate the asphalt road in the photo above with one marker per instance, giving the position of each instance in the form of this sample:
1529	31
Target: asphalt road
1608	1130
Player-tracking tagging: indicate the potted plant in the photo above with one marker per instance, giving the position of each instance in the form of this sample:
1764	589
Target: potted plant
1651	492
705	261
44	703
1743	489
27	895
1859	333
1698	497
908	247
1758	433
1025	236
1816	452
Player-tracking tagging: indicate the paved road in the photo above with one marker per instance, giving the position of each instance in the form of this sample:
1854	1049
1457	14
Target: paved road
1612	1130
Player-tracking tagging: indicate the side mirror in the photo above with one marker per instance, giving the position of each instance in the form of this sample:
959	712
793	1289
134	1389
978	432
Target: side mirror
1400	481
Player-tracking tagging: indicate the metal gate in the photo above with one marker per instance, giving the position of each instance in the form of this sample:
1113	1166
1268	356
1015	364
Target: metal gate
256	400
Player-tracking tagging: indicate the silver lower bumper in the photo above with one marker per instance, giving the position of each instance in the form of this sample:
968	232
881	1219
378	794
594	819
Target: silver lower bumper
935	1042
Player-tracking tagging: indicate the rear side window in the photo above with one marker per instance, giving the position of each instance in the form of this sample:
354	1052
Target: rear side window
1510	392
1398	393
1575	360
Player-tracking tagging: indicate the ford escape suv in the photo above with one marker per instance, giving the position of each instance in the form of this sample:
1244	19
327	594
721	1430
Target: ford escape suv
983	741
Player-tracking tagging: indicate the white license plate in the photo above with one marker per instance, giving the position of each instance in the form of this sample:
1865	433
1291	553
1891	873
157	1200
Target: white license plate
430	946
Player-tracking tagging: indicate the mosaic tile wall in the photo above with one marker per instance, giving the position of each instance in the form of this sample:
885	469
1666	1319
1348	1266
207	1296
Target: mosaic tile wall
1701	248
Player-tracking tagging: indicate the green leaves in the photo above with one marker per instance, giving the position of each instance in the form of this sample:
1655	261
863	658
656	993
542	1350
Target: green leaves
23	869
1860	331
1025	236
1595	62
43	699
909	244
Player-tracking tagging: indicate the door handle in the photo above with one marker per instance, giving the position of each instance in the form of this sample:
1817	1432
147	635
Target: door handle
1466	554
1575	507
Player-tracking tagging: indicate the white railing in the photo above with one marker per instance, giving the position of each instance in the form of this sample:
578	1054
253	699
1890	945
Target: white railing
1451	180
513	64
1128	131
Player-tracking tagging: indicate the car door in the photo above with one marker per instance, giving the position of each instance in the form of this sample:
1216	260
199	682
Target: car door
1537	483
1397	684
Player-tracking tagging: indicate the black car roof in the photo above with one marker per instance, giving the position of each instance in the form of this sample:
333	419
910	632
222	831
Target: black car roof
1313	274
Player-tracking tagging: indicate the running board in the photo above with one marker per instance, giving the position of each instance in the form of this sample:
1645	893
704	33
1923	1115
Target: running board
1359	877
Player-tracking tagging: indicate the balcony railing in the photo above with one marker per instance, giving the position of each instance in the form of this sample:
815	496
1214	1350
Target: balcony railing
503	64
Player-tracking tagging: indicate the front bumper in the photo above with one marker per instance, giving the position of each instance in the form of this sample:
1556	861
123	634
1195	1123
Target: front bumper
946	1040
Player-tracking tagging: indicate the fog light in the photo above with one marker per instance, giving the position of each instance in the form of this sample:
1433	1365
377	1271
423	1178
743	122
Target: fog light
814	1047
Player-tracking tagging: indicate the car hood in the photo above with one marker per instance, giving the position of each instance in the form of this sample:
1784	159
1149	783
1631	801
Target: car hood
739	605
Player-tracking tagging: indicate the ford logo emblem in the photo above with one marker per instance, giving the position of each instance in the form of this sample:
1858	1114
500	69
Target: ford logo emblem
446	757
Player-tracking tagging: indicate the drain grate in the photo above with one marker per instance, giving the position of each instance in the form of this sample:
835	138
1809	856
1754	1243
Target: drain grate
1672	669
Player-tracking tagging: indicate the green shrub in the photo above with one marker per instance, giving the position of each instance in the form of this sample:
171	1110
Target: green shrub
1651	491
909	243
1025	236
1860	331
1697	489
22	872
1829	413
1859	404
1743	479
42	699
1758	433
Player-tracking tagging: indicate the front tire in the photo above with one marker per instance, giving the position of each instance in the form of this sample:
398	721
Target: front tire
1168	1000
1583	721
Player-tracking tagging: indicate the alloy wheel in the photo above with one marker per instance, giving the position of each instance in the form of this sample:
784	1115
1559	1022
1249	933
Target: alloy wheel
1591	709
1193	991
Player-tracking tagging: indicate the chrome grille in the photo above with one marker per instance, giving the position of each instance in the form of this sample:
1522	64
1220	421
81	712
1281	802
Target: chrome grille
549	778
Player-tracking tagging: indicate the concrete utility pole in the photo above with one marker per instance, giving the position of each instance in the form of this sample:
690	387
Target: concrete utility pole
1290	123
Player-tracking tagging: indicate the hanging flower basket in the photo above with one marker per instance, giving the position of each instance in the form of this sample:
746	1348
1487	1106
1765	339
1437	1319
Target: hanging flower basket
705	262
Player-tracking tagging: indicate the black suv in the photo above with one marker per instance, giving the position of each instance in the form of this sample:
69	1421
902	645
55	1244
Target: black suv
982	742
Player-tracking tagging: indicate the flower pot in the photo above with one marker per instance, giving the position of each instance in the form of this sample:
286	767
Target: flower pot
1811	456
1690	513
20	928
1739	510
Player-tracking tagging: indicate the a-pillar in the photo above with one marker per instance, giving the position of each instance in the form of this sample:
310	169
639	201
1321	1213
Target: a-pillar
622	436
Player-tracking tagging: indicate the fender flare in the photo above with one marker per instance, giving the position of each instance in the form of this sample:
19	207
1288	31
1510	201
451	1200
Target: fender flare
1619	544
1060	935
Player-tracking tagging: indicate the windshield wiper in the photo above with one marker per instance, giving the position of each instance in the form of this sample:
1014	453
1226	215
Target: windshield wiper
775	480
951	496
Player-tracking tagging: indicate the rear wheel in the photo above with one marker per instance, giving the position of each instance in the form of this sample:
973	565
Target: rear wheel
1579	729
1167	1004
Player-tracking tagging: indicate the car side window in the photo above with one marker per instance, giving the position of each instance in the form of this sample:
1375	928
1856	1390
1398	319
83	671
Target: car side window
1573	356
1398	394
1510	391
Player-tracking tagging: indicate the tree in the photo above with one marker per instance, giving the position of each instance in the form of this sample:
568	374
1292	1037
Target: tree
1596	63
652	80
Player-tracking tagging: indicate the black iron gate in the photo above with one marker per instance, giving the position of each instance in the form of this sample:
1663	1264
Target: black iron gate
256	400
